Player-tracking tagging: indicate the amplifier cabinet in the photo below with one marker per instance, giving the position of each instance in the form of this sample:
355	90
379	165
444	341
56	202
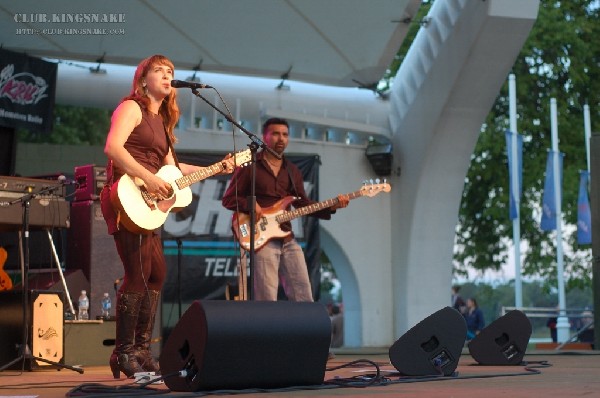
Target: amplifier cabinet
90	181
44	212
92	250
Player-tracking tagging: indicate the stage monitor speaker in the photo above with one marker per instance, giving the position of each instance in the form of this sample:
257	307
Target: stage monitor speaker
46	332
502	342
431	347
92	250
247	344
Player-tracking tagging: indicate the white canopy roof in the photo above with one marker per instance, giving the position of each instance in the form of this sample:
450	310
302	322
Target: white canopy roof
332	42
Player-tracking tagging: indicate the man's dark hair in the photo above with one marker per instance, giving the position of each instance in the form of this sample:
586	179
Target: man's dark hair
274	120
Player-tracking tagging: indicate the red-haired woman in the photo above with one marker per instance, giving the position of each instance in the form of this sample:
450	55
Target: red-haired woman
138	144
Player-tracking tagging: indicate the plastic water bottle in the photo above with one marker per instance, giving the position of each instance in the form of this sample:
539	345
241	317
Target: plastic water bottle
106	306
83	307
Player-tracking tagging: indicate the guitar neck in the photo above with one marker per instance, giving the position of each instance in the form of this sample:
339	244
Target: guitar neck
313	208
199	175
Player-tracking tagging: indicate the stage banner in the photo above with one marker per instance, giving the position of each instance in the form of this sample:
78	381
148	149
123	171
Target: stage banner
27	88
198	243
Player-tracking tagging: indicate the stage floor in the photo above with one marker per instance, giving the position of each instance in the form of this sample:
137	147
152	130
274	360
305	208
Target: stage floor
571	374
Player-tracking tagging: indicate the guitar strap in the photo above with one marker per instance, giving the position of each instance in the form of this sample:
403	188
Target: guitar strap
172	149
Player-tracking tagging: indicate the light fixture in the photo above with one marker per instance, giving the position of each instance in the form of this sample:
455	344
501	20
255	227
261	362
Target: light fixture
97	70
285	76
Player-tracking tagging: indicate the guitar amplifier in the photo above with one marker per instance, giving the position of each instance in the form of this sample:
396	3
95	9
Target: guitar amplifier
90	181
44	212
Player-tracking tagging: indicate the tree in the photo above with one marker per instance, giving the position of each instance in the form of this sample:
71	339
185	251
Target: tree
73	126
559	60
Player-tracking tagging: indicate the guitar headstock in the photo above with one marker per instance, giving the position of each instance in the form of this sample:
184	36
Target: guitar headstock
373	187
243	158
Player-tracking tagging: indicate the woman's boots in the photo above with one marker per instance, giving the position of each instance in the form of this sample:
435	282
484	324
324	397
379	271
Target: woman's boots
123	358
143	332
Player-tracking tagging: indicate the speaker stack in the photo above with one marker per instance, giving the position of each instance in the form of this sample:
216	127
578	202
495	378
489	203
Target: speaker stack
247	344
90	247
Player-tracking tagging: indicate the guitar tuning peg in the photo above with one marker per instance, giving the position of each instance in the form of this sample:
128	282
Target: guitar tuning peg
377	181
371	181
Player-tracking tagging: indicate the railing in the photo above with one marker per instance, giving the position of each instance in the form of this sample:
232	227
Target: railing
550	312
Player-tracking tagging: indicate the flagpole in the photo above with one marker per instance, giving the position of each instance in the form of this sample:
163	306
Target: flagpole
587	127
562	324
516	190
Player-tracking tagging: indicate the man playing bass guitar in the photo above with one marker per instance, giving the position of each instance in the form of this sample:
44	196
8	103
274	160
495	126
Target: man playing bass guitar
279	258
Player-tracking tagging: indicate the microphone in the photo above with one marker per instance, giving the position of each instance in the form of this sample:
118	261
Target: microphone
192	85
63	180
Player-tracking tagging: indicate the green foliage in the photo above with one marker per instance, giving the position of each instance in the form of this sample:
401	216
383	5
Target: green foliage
559	60
73	126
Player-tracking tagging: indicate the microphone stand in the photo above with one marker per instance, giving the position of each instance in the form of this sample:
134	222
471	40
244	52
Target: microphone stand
25	352
254	145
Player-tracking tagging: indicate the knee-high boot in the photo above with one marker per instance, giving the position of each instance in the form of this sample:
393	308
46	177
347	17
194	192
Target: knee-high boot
123	358
143	332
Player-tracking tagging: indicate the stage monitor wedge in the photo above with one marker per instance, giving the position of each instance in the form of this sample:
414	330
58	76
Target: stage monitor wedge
247	344
431	347
502	342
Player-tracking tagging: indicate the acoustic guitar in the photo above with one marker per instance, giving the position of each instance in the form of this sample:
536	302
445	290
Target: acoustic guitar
140	212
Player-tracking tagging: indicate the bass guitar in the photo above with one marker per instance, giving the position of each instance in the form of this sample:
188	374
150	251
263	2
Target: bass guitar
268	226
141	213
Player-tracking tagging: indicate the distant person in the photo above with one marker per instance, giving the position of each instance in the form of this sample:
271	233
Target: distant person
457	301
337	327
551	324
474	318
587	327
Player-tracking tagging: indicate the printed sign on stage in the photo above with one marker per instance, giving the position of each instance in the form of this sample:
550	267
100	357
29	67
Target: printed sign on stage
27	90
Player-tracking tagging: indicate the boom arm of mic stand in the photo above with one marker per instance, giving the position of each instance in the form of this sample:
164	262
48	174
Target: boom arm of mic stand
254	145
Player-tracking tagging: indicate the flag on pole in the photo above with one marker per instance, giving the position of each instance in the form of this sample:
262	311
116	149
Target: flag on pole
513	211
549	210
584	217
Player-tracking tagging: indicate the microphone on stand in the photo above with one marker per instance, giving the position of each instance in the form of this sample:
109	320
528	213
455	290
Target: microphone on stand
192	85
64	181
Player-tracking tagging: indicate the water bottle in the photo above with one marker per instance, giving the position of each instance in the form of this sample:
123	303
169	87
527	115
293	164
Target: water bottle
83	307
106	306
